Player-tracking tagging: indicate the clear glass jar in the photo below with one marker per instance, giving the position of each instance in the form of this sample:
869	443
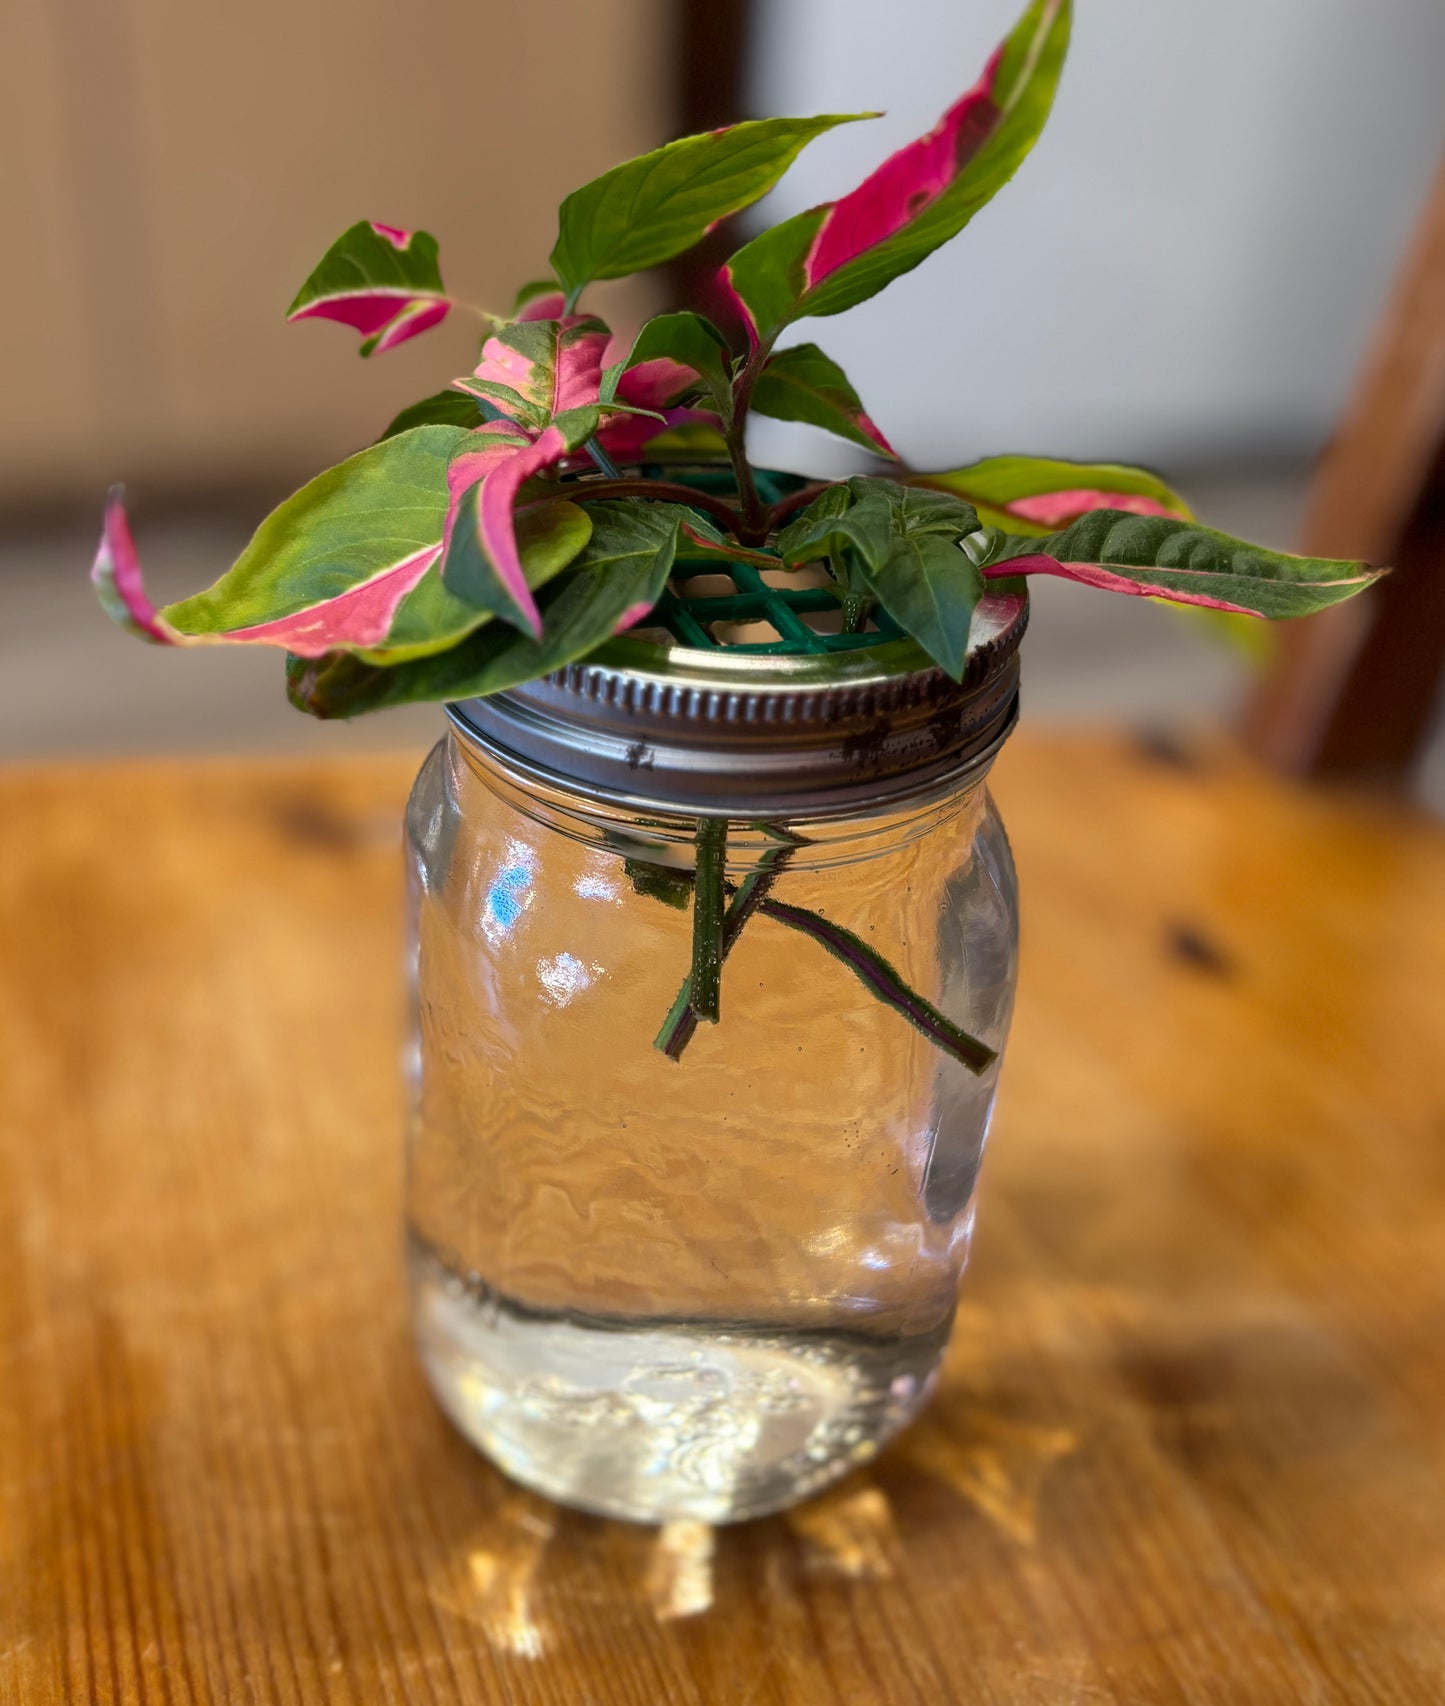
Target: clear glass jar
702	1286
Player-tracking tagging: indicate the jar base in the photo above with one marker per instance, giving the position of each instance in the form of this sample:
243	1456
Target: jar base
657	1420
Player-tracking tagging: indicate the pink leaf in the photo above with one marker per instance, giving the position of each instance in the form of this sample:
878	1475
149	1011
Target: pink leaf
908	181
416	317
656	383
550	305
625	437
361	616
578	377
367	312
1055	510
116	576
495	520
534	370
501	441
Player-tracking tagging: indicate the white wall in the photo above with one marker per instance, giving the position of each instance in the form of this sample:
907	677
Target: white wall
1185	268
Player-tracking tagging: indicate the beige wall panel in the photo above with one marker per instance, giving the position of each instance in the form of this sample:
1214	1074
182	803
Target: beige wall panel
250	136
48	376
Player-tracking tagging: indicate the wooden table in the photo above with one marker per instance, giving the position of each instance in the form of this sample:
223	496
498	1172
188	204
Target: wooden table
1191	1442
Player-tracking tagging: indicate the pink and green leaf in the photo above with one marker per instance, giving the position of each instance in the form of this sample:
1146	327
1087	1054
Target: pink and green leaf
1038	495
483	564
1159	557
835	256
615	581
533	370
439	612
671	355
116	576
330	567
381	281
803	384
542	299
648	210
682	435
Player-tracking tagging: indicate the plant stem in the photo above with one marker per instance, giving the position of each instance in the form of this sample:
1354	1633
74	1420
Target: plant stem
681	1021
856	606
794	501
579	491
602	459
708	901
755	517
882	980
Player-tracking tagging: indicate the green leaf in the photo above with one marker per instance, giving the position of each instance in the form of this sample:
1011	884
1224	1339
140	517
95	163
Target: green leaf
445	408
695	441
924	582
814	534
443	609
804	384
622	571
1156	557
1038	495
906	544
369	514
647	210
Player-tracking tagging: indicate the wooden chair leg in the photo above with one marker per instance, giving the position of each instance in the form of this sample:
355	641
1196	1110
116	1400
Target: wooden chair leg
1353	690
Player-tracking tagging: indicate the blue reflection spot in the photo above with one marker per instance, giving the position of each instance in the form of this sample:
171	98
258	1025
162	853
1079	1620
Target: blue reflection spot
506	898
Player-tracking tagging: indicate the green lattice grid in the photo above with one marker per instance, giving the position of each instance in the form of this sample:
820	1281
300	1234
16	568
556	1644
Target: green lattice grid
689	619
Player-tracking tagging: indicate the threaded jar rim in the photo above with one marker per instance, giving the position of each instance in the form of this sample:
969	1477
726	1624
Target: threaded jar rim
732	734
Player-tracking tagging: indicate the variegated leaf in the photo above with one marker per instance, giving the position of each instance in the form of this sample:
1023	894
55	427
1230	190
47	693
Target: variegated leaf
837	255
1039	495
671	355
533	370
437	614
1157	557
116	576
332	564
381	281
613	584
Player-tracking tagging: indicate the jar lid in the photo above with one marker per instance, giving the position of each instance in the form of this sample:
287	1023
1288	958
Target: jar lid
723	733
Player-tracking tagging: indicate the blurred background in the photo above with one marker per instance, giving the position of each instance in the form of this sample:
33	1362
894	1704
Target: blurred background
1188	272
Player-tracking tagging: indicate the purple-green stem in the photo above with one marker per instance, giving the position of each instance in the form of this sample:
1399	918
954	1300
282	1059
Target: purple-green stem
881	981
756	519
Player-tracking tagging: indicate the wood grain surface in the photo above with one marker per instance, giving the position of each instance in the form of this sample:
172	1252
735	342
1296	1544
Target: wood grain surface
1190	1446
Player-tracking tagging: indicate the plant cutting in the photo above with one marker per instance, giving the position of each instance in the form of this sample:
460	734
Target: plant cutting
704	716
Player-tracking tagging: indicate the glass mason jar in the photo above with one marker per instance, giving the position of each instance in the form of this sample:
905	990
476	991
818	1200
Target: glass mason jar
667	1267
